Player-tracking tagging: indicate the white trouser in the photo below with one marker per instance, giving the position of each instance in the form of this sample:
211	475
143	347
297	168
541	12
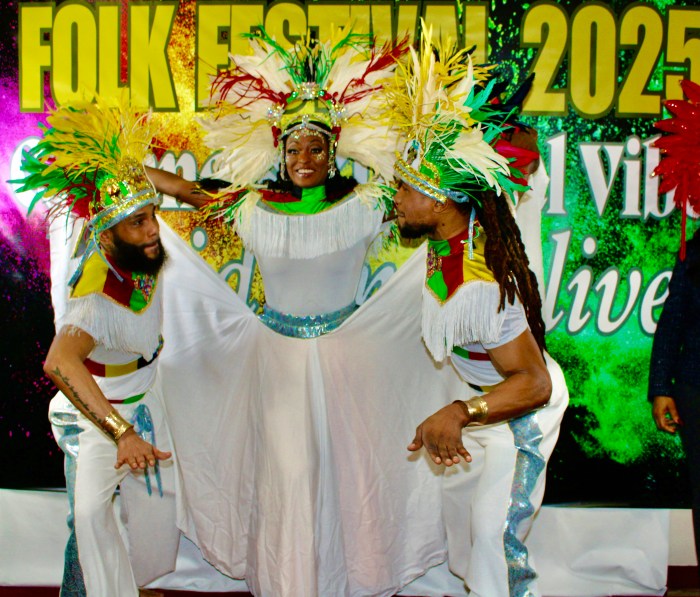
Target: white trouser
99	562
489	504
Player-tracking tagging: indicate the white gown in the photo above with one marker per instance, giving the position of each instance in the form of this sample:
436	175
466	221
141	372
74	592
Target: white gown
293	451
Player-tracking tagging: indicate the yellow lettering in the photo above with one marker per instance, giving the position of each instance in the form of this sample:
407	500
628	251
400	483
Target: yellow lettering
641	29
34	54
149	71
683	48
286	22
475	23
407	21
358	17
545	27
213	31
110	50
593	60
243	19
323	17
74	54
443	19
378	19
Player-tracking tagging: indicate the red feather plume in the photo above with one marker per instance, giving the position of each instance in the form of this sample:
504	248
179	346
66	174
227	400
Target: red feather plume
679	168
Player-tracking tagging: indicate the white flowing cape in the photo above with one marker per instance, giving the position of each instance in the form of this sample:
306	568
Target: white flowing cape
293	451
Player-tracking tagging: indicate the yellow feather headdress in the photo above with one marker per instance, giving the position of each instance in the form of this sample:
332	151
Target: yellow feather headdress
90	162
439	102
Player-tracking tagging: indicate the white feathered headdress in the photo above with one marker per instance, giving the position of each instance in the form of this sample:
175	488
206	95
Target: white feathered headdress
330	87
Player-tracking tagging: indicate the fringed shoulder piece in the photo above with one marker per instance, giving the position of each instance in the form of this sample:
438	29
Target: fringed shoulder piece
457	322
461	298
270	233
115	327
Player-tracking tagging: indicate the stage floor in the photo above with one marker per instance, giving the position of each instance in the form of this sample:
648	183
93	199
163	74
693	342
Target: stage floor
579	552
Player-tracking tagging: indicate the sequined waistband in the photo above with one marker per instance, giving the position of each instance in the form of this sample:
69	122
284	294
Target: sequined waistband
305	326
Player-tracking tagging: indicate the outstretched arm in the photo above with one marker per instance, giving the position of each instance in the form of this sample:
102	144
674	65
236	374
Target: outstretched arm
526	386
65	367
171	184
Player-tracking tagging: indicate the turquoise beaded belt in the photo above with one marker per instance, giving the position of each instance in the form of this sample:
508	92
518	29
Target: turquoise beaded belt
305	326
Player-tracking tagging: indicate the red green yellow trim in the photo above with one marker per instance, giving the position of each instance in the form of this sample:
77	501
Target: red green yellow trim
470	355
107	370
134	291
450	266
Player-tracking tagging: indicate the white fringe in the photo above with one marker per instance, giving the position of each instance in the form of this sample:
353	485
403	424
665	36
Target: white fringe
115	327
274	234
470	315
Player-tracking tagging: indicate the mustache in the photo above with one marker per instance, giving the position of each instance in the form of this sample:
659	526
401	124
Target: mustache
132	257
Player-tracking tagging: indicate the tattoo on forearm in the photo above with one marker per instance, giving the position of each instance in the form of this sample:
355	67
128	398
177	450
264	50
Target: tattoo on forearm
75	397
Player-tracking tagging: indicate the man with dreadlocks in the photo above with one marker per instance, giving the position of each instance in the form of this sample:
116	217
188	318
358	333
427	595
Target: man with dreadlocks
481	308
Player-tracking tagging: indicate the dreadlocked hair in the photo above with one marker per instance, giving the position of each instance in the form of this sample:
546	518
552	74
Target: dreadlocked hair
505	257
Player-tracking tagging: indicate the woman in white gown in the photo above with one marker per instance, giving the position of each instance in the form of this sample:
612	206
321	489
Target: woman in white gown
290	429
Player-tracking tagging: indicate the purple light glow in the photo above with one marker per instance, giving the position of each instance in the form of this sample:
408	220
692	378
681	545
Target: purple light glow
27	236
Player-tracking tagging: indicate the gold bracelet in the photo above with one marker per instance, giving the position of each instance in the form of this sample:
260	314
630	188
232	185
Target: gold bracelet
115	425
478	410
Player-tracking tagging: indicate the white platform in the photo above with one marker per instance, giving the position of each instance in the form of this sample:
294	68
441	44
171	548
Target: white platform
586	552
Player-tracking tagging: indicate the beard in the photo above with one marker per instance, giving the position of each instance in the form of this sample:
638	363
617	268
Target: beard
134	259
412	231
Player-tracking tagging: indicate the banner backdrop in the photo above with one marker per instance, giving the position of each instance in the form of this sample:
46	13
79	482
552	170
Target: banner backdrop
609	240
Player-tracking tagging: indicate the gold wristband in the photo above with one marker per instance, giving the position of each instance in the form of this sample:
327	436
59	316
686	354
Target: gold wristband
476	409
115	425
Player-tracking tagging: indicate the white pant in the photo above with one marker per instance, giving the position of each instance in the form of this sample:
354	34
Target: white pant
99	562
489	503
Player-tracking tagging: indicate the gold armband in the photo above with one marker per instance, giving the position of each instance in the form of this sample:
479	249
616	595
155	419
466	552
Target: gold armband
115	425
476	409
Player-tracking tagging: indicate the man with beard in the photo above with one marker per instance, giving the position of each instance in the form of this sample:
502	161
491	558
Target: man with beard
481	308
108	416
